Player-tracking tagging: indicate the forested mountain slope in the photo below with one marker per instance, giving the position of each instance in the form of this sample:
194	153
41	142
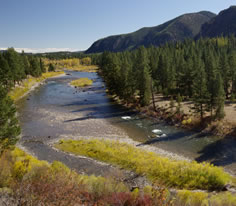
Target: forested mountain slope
223	24
178	29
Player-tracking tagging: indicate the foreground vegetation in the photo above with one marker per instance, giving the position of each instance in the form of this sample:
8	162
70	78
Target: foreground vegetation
24	180
178	174
82	82
33	182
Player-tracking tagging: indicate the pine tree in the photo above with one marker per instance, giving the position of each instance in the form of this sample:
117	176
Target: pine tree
220	97
210	68
163	72
143	76
225	72
42	66
9	127
232	65
35	67
145	91
200	92
51	68
15	64
126	79
26	65
5	77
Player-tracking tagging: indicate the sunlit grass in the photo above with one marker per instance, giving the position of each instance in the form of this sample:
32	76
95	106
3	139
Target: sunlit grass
179	174
82	82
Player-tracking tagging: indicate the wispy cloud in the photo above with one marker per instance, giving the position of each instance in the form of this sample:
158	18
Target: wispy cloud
42	50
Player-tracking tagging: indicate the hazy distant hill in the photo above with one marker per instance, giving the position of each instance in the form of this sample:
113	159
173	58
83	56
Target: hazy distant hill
185	26
222	24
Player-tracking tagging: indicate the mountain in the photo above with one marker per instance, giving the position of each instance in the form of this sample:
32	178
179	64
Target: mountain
222	24
185	26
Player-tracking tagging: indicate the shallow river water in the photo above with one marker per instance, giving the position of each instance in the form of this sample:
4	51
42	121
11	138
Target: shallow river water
56	110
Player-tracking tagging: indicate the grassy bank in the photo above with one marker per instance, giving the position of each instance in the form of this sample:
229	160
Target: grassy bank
178	174
27	84
82	82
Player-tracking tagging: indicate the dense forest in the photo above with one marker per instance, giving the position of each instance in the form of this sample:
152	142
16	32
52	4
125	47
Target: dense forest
203	71
14	67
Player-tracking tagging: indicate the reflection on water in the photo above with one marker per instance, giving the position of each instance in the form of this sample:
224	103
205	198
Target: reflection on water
79	105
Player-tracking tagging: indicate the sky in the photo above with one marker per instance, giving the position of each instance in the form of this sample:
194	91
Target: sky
73	25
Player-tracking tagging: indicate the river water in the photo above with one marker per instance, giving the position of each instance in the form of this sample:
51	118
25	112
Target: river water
56	110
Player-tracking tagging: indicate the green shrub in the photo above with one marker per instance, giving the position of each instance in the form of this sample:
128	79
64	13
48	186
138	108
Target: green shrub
179	174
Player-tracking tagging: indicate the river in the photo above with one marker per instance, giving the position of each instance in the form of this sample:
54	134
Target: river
56	110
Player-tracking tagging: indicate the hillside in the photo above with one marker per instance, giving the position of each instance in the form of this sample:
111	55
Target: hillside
223	24
185	26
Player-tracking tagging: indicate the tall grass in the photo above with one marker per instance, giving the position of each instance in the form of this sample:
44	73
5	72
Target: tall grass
178	174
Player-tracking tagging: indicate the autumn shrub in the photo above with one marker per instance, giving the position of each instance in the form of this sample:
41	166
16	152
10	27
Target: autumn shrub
179	174
35	182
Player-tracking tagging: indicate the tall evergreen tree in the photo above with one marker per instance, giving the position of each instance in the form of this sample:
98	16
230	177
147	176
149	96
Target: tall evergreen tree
26	65
145	90
42	66
211	70
51	68
9	127
200	92
35	67
143	76
232	65
220	97
225	72
5	75
15	64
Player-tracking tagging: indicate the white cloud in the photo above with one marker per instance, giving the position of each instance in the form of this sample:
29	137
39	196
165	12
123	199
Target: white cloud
41	50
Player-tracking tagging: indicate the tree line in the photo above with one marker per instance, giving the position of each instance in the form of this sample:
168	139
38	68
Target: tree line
202	71
14	67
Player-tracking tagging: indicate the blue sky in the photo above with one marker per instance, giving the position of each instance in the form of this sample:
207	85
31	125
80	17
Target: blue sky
53	25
